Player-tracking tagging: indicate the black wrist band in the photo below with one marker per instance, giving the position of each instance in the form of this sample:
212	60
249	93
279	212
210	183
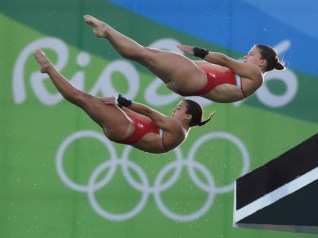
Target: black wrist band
200	52
122	101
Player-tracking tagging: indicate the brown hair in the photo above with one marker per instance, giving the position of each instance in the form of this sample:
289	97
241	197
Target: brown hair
271	56
195	109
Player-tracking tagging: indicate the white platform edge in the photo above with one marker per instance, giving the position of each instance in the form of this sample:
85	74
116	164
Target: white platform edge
274	196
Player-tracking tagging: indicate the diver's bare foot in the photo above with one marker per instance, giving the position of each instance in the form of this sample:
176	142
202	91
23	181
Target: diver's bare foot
99	27
42	60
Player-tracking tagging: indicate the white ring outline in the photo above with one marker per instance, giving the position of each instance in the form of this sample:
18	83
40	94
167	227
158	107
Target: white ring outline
116	216
194	215
62	148
229	137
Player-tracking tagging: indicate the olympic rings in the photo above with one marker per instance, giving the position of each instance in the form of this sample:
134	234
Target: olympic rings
144	186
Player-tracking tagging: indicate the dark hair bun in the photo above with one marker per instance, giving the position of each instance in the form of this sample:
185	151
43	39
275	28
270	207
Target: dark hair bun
279	65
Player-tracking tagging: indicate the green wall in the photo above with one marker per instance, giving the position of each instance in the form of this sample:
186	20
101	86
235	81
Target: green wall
60	177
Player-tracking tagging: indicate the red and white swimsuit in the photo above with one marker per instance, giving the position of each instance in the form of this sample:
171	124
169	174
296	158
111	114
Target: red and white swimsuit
214	79
141	128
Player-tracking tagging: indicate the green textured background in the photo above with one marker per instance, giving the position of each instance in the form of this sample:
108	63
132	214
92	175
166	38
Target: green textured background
34	202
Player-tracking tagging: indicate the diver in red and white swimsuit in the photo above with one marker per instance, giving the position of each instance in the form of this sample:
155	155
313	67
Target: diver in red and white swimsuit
119	123
181	74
